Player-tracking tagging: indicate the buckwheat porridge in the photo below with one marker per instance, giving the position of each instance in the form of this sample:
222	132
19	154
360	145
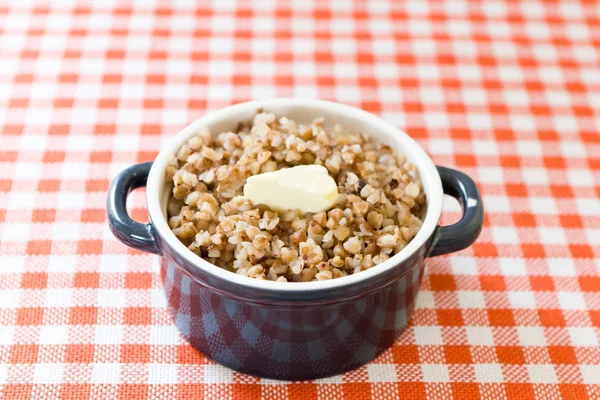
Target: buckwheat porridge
378	210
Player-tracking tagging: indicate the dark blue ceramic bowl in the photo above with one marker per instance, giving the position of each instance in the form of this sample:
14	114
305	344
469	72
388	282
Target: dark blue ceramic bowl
290	330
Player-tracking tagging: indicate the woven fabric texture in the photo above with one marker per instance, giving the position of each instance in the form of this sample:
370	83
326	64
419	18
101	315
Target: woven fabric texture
508	92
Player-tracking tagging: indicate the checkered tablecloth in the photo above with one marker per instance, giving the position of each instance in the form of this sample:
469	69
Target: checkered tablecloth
507	92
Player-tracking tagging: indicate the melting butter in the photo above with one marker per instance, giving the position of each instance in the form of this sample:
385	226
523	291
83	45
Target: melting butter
308	188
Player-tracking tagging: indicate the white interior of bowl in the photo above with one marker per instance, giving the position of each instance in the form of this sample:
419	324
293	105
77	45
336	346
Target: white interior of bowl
303	111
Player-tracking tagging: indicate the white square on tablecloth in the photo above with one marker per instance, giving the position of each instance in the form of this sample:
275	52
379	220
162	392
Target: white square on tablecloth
593	236
66	231
580	177
216	373
24	170
162	374
505	235
61	297
113	263
474	96
561	266
49	373
496	204
543	205
435	373
471	299
62	263
15	232
158	298
484	147
302	25
108	334
467	73
21	200
426	71
572	149
220	92
488	373
31	142
583	336
512	266
79	143
303	69
84	116
382	373
70	201
10	265
491	175
535	176
348	93
89	91
480	336
588	206
590	374
129	116
54	334
508	72
164	335
340	69
521	299
558	98
111	298
436	120
10	298
303	45
463	265
529	148
565	123
550	235
7	334
109	373
383	46
428	335
134	67
425	299
440	146
516	97
140	21
571	301
542	374
175	116
531	336
178	67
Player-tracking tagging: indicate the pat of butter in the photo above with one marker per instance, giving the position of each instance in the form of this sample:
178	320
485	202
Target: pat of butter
308	188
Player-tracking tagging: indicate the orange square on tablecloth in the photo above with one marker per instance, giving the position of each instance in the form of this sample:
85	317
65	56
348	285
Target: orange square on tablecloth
23	353
138	280
135	353
83	315
79	353
510	355
30	316
34	280
137	316
458	354
75	391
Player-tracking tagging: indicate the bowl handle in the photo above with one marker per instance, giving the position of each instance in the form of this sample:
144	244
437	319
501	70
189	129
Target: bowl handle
132	233
448	239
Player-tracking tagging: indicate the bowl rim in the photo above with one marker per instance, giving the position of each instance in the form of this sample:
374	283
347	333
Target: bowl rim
427	171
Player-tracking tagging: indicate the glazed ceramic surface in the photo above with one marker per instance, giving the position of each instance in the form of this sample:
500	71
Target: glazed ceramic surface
291	330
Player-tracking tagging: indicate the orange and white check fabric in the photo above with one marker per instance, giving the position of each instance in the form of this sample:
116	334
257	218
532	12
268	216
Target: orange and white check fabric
507	92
